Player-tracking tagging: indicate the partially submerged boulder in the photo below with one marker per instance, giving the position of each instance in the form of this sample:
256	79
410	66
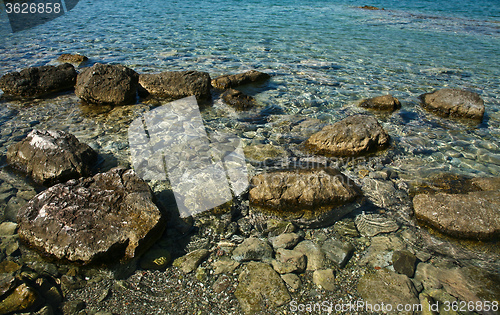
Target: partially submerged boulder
75	59
233	80
174	85
454	103
51	156
39	81
107	84
384	102
238	100
108	217
354	135
306	197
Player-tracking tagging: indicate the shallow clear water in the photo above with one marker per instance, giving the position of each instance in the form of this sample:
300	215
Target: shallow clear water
325	56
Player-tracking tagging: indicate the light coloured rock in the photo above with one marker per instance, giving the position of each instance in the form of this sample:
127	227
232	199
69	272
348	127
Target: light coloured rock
252	249
379	254
189	262
286	240
294	260
260	285
374	223
8	228
292	280
225	265
454	103
316	258
325	279
22	298
233	80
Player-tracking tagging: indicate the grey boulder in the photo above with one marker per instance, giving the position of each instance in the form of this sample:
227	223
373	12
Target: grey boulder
454	103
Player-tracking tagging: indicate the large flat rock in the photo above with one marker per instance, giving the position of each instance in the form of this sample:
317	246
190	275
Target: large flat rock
454	103
108	217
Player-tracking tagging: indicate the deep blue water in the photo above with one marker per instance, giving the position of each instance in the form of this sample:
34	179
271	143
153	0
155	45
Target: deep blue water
324	57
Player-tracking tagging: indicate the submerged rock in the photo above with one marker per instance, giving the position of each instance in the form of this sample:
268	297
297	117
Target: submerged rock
306	197
252	249
403	262
454	103
189	262
325	279
260	286
472	215
51	156
175	85
238	100
107	84
74	59
234	80
22	298
384	102
354	135
108	216
39	81
373	224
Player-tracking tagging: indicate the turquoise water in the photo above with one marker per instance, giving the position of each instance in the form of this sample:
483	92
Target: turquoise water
325	56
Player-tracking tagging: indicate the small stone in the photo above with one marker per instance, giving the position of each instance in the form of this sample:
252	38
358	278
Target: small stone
325	279
385	102
260	286
225	265
188	263
8	228
346	227
7	282
155	259
238	100
278	227
222	284
201	274
234	80
286	240
403	262
283	267
292	280
8	266
22	298
337	251
374	223
72	58
252	249
316	258
73	307
295	258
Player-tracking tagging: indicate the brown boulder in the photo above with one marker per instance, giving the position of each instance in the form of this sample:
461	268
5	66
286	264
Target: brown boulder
233	80
238	100
454	103
384	102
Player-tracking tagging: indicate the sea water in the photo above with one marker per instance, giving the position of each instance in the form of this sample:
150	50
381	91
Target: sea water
324	57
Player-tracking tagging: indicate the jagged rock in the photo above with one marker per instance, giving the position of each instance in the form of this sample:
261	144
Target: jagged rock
39	81
308	198
8	228
292	280
403	262
174	85
325	279
354	135
189	262
7	282
238	100
107	84
234	80
259	288
388	287
337	251
225	265
285	240
73	307
454	103
22	298
252	249
472	215
50	156
291	260
346	227
384	102
109	215
372	224
316	258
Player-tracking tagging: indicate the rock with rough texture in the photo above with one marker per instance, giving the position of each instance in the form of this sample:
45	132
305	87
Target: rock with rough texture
238	100
107	84
260	288
316	258
22	298
230	81
225	265
50	156
337	251
384	102
39	81
174	85
474	215
354	135
454	103
189	262
292	280
110	216
252	249
295	258
325	279
285	240
309	198
379	254
403	262
387	287
75	59
369	7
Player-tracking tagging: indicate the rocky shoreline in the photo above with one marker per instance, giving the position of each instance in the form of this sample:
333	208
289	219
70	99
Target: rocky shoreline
330	231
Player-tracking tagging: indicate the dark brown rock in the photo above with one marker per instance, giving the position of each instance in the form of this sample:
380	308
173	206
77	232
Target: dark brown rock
369	7
22	298
384	102
233	80
473	215
238	100
306	197
403	262
50	156
454	103
174	85
39	81
108	217
107	84
354	135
